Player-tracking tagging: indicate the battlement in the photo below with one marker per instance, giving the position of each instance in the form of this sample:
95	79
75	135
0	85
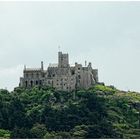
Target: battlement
61	76
63	60
32	69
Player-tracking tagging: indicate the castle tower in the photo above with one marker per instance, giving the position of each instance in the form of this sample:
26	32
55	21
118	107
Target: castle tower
63	60
61	76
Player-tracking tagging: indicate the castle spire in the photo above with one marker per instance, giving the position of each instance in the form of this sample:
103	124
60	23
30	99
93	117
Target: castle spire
42	67
85	63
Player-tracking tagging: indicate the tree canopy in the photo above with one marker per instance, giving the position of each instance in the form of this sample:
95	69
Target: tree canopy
41	112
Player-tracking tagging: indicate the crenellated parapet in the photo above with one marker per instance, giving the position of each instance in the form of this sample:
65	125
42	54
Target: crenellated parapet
61	76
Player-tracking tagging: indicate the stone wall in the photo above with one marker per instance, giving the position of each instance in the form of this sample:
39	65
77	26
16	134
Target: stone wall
61	76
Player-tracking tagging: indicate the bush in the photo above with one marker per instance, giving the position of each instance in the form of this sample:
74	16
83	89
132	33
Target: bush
4	134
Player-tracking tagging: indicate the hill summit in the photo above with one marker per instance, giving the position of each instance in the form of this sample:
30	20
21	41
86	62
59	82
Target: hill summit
41	112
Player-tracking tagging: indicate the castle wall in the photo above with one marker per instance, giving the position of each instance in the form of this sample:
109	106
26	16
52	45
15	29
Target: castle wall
62	83
32	78
62	76
63	60
95	75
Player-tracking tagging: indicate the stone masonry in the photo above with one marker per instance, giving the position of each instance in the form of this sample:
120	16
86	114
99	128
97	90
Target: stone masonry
61	76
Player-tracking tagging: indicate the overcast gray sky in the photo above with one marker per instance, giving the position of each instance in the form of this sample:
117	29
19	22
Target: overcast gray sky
104	33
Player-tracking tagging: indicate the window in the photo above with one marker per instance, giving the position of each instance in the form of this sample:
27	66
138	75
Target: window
26	83
73	72
79	76
49	75
36	82
31	83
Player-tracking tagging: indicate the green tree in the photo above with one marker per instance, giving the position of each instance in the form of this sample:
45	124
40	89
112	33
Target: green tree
38	131
4	134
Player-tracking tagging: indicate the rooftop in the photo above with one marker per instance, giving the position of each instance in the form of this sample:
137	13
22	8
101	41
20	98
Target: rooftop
32	69
53	65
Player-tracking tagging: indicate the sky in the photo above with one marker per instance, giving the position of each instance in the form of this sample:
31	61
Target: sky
107	34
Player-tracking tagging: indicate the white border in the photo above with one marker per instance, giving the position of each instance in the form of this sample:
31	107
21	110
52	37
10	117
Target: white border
69	0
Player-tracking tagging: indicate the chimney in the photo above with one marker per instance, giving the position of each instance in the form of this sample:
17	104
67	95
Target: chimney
42	67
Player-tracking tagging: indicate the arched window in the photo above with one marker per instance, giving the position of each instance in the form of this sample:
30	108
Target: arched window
79	76
72	72
26	83
31	83
36	82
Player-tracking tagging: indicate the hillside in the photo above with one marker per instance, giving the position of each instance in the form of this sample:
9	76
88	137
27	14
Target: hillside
99	112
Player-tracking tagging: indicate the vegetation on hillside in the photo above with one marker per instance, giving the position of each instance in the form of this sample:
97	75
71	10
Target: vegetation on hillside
99	112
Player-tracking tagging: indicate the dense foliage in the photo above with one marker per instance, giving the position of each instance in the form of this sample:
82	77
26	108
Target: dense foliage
99	112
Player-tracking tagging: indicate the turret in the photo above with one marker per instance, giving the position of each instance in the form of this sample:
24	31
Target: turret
85	63
42	67
89	64
63	60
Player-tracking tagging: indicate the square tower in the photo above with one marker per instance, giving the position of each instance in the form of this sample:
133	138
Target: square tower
63	60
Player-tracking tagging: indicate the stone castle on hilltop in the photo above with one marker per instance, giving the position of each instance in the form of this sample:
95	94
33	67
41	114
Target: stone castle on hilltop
61	76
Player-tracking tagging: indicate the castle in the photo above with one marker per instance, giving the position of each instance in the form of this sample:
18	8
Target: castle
61	76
